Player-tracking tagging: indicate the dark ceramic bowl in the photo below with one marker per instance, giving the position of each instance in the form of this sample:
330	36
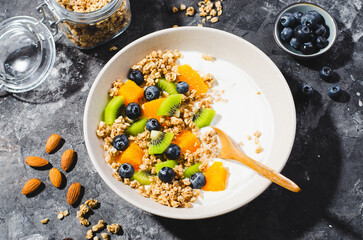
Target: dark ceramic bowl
304	8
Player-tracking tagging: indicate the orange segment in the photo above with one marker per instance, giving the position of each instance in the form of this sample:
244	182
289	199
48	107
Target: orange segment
132	155
190	76
215	176
131	92
151	108
187	141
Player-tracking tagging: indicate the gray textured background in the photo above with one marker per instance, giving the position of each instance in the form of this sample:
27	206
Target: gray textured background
326	160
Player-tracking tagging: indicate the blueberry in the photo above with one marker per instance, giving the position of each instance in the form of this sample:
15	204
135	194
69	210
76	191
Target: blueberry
298	16
302	33
287	20
295	43
173	152
320	30
317	15
133	111
309	20
286	34
153	124
307	90
120	142
152	93
126	170
307	48
334	91
182	87
326	73
197	180
321	42
136	76
166	174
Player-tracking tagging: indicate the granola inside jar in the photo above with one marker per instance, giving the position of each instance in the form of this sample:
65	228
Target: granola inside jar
90	23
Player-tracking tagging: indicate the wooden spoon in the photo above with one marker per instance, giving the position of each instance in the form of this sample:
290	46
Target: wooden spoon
230	151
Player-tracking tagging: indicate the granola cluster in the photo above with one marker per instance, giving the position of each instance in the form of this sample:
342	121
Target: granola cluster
89	35
178	193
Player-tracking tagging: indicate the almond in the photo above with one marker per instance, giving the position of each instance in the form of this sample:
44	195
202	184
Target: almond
55	177
30	186
67	159
36	161
52	143
73	193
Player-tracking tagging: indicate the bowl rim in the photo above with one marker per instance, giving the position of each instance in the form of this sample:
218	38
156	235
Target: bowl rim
300	55
263	184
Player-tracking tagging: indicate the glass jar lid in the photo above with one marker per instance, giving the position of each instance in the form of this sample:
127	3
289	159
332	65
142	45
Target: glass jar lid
27	53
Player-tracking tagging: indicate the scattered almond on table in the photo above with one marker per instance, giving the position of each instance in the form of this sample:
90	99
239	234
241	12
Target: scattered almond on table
52	143
67	159
36	161
30	186
55	177
73	193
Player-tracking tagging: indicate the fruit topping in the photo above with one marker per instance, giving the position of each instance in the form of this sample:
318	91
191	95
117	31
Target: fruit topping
126	170
166	86
173	152
190	76
133	111
286	34
215	177
287	20
131	92
137	127
136	76
166	174
302	33
121	142
321	42
151	93
170	106
159	141
168	163
191	170
204	117
334	91
309	20
307	90
151	108
326	73
142	177
197	180
307	48
113	109
298	16
132	155
153	124
182	87
295	43
187	141
320	30
317	15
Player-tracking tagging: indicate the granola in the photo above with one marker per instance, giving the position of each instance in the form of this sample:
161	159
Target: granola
179	191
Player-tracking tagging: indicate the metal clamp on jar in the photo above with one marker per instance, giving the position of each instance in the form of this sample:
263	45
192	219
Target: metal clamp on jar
27	45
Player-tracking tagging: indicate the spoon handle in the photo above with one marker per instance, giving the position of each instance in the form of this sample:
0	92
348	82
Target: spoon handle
267	172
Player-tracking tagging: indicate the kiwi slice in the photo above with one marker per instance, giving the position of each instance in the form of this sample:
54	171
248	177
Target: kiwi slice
137	127
113	109
204	117
191	170
170	106
159	141
166	86
142	177
168	163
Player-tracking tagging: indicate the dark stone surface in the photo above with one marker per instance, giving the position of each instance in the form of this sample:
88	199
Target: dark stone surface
326	160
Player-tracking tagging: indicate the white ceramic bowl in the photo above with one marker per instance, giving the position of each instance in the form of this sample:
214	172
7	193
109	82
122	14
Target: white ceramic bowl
259	72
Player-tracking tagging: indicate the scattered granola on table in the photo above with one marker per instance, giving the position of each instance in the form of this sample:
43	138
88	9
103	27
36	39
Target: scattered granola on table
45	220
156	146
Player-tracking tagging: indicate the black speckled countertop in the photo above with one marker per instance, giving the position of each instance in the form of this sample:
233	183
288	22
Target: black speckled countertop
326	160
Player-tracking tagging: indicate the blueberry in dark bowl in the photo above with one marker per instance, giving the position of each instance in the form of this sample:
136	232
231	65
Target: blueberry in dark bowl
166	174
307	90
153	124
298	16
334	91
286	34
309	20
295	43
307	48
151	93
317	15
121	142
133	111
197	180
126	170
326	73
321	42
136	76
302	33
287	20
173	152
182	87
320	30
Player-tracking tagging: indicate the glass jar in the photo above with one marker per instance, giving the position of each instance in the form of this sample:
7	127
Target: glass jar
27	46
